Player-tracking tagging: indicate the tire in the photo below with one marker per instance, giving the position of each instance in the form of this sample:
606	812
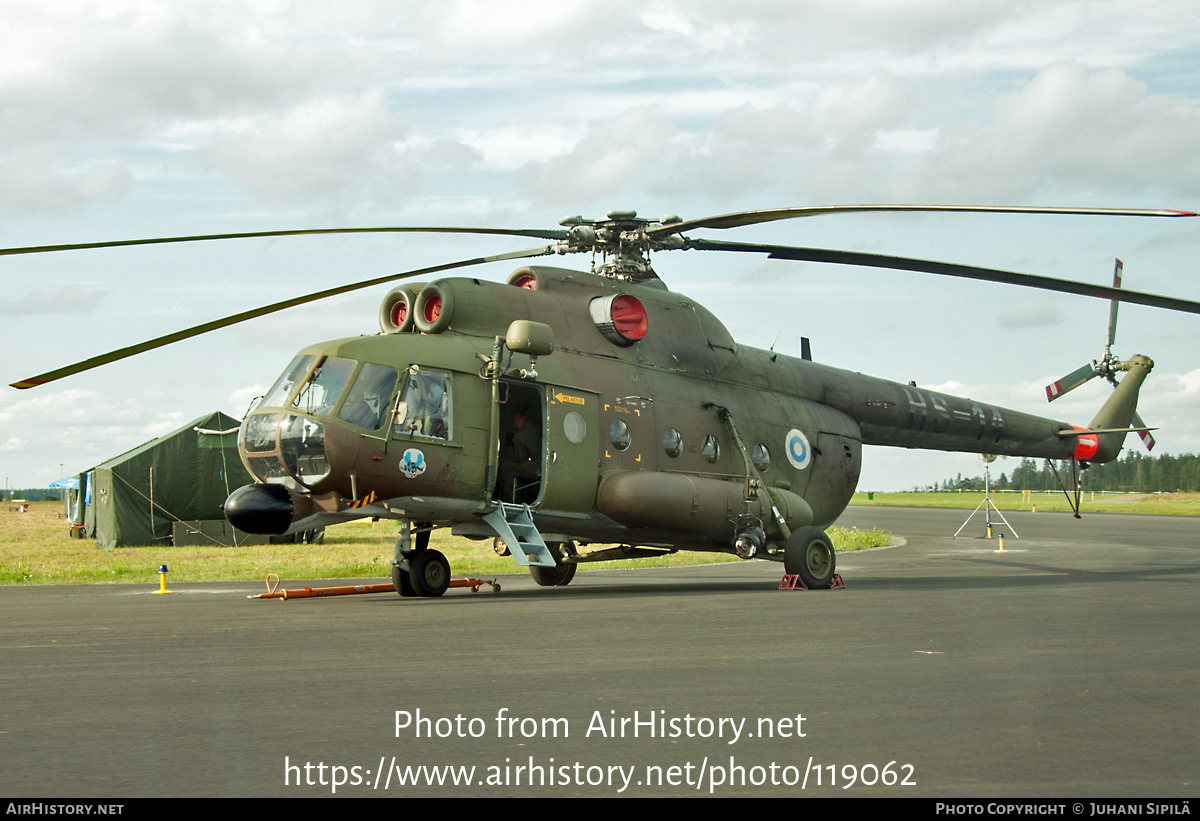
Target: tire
429	573
401	582
809	554
558	576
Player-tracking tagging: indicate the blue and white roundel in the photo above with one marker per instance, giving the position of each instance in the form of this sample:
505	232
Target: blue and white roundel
798	451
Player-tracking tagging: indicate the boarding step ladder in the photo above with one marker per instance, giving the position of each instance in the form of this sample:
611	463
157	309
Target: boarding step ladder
514	524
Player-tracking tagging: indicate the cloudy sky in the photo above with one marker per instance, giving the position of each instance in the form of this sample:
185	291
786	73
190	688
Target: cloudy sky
134	119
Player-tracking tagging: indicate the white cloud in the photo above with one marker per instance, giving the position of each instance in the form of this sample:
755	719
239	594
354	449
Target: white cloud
37	181
612	157
320	147
1068	130
131	119
242	397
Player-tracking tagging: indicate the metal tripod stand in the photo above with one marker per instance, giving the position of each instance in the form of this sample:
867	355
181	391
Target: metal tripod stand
987	504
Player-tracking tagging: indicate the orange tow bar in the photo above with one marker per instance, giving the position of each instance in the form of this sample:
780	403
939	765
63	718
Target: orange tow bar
273	591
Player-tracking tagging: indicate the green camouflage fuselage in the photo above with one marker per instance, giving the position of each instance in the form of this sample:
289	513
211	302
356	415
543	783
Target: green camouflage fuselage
672	475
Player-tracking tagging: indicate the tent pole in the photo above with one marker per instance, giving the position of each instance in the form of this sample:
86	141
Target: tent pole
153	534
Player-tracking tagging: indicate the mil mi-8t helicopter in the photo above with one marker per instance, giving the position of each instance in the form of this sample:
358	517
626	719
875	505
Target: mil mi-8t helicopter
563	409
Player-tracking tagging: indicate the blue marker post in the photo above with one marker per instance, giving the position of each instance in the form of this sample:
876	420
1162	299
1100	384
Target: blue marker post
162	580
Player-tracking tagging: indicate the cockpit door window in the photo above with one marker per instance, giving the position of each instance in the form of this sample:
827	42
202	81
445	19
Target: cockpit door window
425	406
367	403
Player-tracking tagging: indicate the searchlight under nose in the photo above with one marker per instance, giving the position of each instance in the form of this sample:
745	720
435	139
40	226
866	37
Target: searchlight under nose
265	510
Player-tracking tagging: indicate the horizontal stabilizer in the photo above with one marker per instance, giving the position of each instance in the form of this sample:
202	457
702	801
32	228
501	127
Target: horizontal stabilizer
1088	431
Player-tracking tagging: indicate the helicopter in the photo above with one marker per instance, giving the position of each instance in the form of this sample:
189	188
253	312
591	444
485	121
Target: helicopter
564	409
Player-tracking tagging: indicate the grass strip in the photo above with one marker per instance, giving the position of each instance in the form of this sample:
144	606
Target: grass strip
35	549
1172	504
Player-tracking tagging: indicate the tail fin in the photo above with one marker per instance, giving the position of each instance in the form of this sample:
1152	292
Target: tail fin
1121	408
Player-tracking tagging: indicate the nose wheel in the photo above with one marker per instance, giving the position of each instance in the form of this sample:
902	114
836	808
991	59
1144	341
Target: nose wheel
429	573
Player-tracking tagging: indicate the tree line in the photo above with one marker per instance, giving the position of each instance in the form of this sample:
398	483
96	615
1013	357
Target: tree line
31	494
1136	472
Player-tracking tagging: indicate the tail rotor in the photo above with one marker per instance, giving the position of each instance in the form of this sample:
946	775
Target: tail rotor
1108	366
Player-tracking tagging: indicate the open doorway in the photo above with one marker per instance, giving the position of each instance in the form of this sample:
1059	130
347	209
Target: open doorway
522	444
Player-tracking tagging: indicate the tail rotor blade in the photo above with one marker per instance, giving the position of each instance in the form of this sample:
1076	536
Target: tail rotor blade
1112	308
1070	382
1147	439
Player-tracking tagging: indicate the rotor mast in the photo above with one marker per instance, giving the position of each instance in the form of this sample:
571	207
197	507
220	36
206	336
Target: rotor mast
623	242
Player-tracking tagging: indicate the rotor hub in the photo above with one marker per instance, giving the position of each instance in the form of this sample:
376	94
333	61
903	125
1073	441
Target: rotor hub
621	243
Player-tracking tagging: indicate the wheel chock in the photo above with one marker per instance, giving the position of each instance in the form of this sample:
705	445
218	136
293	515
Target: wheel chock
796	583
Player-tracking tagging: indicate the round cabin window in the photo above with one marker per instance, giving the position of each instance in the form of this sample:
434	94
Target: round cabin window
761	457
574	427
673	443
619	435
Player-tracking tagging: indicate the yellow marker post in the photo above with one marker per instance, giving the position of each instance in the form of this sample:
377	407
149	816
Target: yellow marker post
162	580
989	530
1001	550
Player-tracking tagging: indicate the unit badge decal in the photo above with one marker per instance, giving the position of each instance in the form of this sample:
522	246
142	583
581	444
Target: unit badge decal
413	463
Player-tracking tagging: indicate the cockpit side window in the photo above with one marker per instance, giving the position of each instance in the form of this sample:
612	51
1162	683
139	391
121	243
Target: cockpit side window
367	403
320	393
278	395
425	407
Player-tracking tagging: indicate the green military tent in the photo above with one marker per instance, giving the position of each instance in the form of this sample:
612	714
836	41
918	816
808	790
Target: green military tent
144	496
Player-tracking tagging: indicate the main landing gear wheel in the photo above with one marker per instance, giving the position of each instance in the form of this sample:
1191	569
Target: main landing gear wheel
809	555
429	573
401	582
558	576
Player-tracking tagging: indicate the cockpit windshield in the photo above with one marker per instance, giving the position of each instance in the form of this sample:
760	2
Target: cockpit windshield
278	395
320	393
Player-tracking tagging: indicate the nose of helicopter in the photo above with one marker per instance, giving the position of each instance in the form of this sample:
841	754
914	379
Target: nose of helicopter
264	509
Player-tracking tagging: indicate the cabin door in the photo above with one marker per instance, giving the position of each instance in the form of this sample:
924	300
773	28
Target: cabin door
572	442
548	443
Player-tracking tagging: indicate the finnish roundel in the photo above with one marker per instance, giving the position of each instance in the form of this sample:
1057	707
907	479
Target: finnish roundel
798	451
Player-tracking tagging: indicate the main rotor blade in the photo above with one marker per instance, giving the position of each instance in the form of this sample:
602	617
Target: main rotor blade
1064	286
123	353
79	246
1070	382
741	218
